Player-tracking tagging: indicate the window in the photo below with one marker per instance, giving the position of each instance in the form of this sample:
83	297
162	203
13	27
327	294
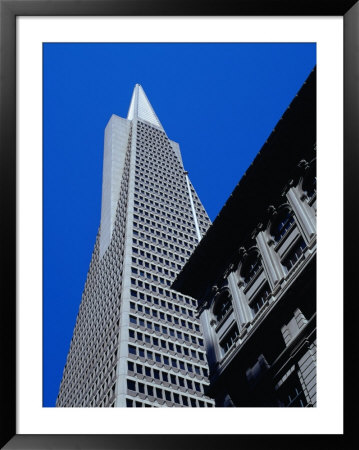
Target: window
251	266
260	299
150	390
159	393
282	224
291	394
229	339
294	254
222	306
132	349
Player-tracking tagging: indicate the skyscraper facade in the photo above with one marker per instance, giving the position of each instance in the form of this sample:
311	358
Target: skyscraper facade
137	342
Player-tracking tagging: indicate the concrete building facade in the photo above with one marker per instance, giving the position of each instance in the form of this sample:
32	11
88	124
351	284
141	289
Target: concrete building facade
137	342
254	273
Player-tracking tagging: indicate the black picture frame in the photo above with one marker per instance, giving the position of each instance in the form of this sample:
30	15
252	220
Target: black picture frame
9	10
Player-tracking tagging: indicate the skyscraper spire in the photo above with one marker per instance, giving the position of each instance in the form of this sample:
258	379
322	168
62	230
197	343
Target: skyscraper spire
140	107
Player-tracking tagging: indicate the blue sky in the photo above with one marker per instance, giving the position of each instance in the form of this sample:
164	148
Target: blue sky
219	101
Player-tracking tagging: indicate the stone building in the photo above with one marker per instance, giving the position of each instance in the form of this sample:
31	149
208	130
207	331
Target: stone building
137	342
254	272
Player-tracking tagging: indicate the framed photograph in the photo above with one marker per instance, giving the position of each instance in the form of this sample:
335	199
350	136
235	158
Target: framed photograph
59	66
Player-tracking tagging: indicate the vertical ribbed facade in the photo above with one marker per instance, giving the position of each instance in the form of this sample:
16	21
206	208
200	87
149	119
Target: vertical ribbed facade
137	342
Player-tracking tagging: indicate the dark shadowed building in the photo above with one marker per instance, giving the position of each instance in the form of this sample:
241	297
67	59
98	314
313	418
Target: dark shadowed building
254	272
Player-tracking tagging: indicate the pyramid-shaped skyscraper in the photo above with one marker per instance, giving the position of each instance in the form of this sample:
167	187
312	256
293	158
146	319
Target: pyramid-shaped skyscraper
137	342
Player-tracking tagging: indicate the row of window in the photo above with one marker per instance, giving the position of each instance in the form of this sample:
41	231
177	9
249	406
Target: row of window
163	359
164	375
148	180
163	217
163	394
161	291
163	194
154	257
171	294
151	256
167	330
163	225
156	226
167	237
166	242
161	174
161	210
161	302
164	203
155	151
171	163
164	344
165	317
154	276
160	250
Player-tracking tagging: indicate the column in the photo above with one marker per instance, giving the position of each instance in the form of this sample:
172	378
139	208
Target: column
211	341
241	309
271	261
304	214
